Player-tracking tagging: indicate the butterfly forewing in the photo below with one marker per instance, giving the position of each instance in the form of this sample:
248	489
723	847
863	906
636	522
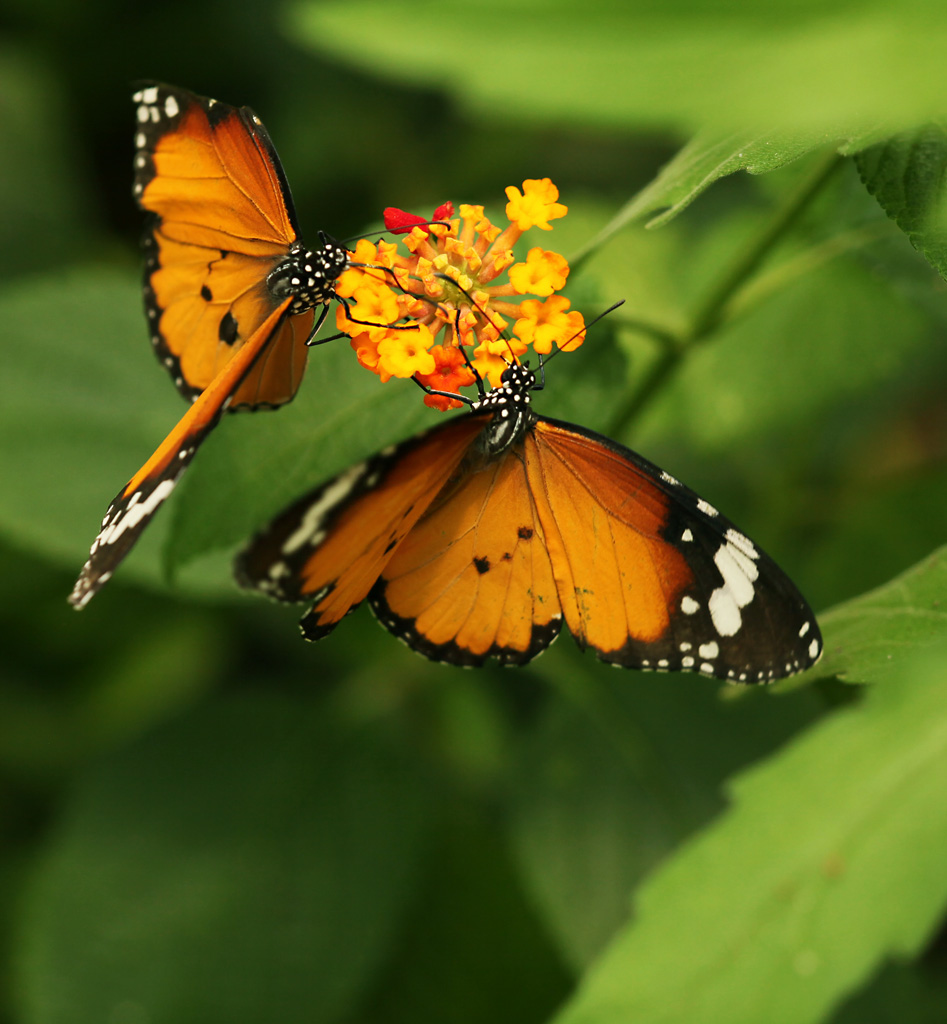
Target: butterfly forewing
331	545
652	576
472	580
220	220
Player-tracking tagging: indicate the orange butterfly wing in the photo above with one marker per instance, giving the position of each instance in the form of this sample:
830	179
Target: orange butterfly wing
221	220
331	545
652	576
133	507
473	580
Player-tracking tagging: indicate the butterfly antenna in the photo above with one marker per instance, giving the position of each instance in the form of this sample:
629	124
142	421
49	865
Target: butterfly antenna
564	347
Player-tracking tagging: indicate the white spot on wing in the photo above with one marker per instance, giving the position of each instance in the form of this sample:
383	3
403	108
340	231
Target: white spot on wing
688	605
707	508
310	526
724	612
742	542
136	511
737	592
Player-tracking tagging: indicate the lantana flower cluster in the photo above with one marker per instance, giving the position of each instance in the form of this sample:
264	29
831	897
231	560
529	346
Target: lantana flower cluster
457	298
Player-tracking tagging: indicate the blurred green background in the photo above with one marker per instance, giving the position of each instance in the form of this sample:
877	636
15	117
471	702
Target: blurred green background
202	818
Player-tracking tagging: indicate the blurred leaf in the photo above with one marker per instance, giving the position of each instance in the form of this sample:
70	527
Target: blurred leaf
248	864
476	934
830	860
836	335
82	405
797	65
899	990
43	208
906	176
609	783
867	639
900	521
702	162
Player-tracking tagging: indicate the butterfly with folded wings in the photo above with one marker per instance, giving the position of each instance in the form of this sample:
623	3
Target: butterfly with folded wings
231	293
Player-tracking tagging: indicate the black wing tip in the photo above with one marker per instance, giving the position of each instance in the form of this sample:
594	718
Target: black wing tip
451	653
87	586
719	660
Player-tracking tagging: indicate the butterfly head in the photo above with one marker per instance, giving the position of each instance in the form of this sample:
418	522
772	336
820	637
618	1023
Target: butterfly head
308	276
510	404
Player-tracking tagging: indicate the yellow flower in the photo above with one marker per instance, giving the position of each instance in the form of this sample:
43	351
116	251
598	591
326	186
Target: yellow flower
450	293
535	206
405	353
547	324
542	274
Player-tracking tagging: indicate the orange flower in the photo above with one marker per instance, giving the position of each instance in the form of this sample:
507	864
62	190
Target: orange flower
451	373
450	290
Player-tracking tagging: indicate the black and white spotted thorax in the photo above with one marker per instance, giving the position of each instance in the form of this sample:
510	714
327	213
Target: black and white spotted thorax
308	276
511	404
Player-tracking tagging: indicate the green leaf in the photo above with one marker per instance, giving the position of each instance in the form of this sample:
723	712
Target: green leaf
702	162
837	336
830	860
906	175
83	403
830	67
247	864
474	930
867	639
610	782
705	160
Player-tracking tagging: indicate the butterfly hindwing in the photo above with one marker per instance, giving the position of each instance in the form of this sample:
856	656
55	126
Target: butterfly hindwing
472	579
330	546
220	219
652	576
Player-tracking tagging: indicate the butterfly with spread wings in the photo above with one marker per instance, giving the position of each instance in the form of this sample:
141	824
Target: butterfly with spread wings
476	538
230	292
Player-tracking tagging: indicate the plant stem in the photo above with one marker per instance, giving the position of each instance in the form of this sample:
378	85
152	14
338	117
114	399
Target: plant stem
713	310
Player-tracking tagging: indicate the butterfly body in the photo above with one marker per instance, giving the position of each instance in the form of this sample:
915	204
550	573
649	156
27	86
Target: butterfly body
476	539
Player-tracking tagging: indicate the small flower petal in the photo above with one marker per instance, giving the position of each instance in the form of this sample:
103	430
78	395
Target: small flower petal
405	353
543	273
535	206
451	373
547	324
